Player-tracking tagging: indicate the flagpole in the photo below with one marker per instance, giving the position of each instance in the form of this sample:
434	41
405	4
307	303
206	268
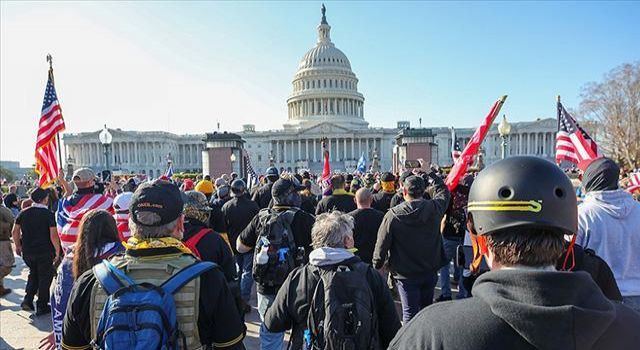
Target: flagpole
50	60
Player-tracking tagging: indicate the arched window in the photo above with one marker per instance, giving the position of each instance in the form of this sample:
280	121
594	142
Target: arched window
330	83
325	83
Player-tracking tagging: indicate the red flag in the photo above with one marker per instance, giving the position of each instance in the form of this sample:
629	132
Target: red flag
51	123
471	149
326	169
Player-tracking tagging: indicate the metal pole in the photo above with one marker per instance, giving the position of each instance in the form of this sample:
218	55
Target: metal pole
505	141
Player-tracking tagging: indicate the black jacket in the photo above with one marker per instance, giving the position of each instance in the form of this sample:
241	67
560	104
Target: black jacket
382	201
341	202
309	203
262	196
410	236
291	306
396	199
586	260
301	227
216	219
237	214
366	223
525	309
212	247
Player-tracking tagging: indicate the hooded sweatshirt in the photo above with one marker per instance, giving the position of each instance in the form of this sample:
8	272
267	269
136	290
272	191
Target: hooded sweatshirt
609	224
525	309
410	236
291	305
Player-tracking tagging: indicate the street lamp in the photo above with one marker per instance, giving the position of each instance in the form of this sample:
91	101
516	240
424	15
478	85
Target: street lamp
232	158
105	139
504	129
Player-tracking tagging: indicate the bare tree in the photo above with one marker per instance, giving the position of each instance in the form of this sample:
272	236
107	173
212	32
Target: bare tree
613	105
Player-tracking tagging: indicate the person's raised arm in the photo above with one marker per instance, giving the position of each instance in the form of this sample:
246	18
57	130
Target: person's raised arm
66	187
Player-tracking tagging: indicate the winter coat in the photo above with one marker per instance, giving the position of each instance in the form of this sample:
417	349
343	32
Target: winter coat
609	224
525	309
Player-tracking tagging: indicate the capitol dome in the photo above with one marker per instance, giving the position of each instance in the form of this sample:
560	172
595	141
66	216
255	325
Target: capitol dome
325	89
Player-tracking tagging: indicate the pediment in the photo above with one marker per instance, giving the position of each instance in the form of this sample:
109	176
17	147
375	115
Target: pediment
325	128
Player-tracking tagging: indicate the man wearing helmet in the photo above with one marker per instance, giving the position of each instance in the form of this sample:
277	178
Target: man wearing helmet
263	195
519	222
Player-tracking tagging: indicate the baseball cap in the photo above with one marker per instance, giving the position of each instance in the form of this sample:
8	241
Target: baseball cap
285	185
388	177
415	185
195	200
122	201
220	182
83	175
188	184
160	197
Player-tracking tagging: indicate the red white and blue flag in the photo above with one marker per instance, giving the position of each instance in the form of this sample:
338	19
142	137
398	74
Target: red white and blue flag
51	123
573	144
456	151
634	182
72	209
252	176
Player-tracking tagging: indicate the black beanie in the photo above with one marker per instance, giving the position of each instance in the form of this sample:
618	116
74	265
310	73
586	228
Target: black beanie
601	175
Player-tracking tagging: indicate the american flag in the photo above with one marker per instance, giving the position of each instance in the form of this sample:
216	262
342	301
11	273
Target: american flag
573	144
72	209
455	145
51	123
252	177
634	182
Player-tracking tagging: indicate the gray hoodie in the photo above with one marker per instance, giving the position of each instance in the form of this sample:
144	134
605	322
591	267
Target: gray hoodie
609	224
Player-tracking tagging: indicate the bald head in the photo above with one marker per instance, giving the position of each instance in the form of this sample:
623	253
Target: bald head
363	198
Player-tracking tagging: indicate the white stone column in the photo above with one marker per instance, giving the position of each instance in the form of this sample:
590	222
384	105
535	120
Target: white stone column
306	150
344	149
353	155
368	149
315	155
299	142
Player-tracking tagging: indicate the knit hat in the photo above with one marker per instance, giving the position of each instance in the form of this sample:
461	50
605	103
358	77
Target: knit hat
204	186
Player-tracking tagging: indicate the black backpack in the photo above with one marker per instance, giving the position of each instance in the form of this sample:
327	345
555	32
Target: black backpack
342	313
276	253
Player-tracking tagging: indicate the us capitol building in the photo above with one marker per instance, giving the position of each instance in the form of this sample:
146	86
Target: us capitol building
325	103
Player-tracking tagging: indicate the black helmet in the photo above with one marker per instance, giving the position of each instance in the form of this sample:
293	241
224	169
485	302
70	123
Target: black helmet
523	191
238	186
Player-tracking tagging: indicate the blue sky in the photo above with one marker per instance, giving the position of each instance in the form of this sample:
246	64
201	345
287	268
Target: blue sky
184	66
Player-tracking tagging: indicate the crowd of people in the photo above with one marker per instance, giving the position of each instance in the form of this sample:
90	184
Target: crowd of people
172	263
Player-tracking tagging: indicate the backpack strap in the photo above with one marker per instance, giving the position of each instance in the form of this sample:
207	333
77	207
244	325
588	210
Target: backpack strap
110	277
182	277
195	239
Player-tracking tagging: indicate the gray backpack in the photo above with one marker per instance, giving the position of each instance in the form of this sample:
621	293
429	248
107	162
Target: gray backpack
342	313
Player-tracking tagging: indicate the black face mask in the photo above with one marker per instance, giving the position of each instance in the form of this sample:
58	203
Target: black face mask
601	175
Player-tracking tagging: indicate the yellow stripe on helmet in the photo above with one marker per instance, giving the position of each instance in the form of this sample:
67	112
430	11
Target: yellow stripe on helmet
531	205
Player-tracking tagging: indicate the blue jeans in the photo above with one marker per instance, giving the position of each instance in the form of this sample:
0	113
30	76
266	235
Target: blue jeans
450	246
245	264
416	294
268	340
